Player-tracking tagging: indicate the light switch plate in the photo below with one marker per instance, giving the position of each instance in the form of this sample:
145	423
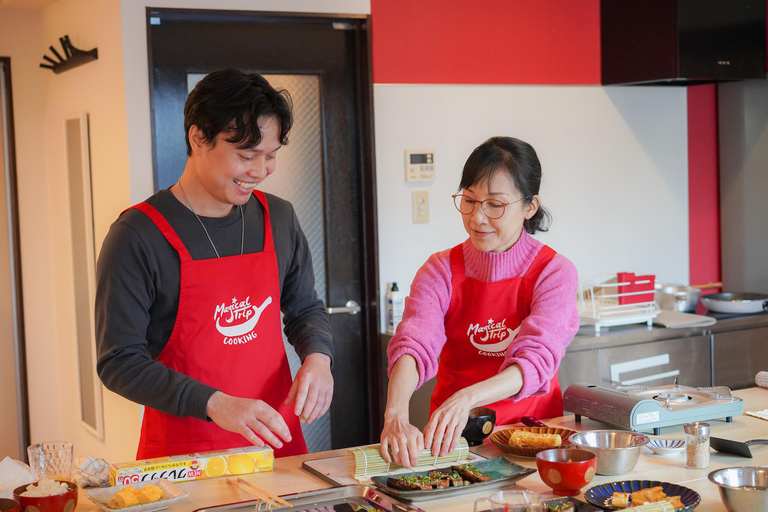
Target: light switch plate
420	206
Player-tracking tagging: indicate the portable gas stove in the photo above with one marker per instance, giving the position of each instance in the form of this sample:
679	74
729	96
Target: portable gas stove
643	409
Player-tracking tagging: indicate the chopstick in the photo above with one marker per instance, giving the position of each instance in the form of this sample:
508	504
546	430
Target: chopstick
255	490
266	493
252	492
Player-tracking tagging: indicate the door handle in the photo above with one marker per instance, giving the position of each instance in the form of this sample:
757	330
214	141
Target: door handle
350	308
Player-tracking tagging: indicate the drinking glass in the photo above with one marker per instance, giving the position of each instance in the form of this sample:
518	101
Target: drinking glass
51	459
512	501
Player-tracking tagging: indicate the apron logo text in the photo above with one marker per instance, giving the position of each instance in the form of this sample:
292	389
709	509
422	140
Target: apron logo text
490	332
242	312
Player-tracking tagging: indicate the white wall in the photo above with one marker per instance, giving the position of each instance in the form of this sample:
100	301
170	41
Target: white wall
614	170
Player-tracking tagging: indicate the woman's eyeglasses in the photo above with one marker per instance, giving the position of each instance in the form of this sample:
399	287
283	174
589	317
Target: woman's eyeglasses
491	208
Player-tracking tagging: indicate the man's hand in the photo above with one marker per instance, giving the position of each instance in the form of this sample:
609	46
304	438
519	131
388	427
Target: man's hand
312	388
255	420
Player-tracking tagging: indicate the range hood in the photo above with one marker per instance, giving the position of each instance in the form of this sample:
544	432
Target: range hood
667	42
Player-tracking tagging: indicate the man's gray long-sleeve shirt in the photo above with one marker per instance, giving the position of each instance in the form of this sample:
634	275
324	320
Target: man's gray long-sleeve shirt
138	294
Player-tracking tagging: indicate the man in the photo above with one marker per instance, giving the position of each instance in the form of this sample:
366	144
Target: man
192	281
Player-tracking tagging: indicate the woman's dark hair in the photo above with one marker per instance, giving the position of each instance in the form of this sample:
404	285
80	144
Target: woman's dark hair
519	160
231	100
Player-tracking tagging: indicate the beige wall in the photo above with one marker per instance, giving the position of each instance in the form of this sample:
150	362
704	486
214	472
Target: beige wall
96	88
21	40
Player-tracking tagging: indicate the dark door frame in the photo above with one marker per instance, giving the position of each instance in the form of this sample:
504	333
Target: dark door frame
364	124
15	240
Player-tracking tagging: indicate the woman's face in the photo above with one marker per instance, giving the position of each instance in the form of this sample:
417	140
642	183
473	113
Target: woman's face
497	235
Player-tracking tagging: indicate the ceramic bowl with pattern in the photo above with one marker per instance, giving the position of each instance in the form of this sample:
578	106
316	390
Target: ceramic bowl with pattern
565	470
666	446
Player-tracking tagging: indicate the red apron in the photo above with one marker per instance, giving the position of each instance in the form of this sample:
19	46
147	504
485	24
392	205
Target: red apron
482	320
227	335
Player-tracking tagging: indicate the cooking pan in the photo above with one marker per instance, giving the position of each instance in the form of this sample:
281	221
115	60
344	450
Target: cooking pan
736	302
734	447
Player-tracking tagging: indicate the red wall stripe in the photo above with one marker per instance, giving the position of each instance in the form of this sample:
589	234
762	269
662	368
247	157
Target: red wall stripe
703	185
488	42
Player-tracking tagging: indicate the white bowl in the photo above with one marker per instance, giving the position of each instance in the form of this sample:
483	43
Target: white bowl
666	446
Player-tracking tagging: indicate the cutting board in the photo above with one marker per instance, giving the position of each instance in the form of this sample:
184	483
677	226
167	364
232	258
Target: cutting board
678	320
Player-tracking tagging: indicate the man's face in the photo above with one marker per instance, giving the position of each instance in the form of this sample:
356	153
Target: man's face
229	175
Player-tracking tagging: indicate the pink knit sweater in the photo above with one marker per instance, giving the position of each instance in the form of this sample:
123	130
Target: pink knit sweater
544	334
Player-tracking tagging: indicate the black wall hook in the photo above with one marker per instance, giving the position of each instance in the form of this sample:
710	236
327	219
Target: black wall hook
72	57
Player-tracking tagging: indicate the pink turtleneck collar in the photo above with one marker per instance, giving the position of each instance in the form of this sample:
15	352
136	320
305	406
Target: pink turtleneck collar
495	266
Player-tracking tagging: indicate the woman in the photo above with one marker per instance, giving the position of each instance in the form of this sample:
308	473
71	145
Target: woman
497	311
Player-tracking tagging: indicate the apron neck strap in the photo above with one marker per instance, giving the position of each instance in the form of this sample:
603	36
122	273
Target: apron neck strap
165	228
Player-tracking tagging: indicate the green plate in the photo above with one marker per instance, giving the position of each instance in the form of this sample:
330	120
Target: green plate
500	471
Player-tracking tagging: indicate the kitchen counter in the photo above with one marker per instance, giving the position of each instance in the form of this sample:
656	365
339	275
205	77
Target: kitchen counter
622	335
288	477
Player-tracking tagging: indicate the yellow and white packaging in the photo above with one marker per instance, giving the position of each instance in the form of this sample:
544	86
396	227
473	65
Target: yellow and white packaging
194	466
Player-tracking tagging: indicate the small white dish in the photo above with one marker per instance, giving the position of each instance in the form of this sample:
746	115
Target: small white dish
171	494
666	446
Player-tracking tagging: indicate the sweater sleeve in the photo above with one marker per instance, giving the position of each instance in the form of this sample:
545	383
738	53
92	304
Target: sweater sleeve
307	325
127	285
547	331
421	333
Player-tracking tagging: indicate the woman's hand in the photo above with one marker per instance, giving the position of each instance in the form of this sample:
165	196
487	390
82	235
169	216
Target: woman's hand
405	440
444	428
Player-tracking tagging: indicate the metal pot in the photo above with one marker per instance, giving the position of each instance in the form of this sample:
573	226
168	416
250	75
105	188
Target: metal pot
736	302
676	297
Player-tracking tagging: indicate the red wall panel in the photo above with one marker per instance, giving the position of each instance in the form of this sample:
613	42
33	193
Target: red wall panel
703	185
486	42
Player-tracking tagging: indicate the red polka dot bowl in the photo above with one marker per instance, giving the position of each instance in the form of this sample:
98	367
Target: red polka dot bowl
65	502
566	470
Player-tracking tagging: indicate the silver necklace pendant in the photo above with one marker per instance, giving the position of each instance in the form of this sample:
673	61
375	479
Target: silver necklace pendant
242	222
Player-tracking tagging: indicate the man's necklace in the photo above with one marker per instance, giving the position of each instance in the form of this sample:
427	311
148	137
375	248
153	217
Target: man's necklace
242	218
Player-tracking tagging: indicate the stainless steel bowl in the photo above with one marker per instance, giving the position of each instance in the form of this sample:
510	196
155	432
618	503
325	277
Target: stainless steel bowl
617	450
676	297
742	488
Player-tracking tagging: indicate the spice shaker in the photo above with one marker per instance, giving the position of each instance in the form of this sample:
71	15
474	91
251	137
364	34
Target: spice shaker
696	445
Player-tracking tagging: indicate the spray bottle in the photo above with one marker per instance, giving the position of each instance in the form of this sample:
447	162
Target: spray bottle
395	306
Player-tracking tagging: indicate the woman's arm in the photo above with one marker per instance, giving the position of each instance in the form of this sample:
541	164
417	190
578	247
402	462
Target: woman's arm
444	428
546	332
405	440
413	352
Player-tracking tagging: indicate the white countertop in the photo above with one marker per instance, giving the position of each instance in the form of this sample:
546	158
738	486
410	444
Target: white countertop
289	478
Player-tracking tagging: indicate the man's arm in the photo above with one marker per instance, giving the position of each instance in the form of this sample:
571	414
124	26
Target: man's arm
308	329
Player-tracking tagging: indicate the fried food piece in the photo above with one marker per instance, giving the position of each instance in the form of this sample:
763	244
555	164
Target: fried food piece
123	499
470	473
675	501
149	494
620	499
649	495
526	439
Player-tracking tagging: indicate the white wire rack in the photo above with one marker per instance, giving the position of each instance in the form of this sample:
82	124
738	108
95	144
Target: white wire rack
604	302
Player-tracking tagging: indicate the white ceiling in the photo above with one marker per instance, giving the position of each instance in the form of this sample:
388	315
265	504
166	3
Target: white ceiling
30	5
